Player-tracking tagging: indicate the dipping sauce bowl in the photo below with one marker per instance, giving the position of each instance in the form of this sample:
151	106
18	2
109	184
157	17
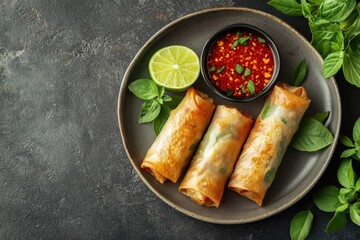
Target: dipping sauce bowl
240	63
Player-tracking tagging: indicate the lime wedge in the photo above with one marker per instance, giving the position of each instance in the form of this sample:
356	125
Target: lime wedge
174	67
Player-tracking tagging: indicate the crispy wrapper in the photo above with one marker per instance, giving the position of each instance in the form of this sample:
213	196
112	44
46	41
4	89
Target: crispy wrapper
268	140
216	155
174	146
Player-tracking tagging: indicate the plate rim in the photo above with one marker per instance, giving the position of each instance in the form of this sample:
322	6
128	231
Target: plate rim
121	103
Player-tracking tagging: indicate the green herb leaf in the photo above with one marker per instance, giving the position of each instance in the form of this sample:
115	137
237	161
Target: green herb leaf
235	43
311	136
289	7
342	208
346	174
149	111
261	40
247	72
351	64
244	40
301	225
356	132
270	175
337	222
326	198
167	98
223	170
346	195
144	89
321	116
355	213
161	119
161	92
332	63
267	110
251	86
239	69
326	36
212	69
348	153
306	11
346	141
220	69
299	73
336	10
229	92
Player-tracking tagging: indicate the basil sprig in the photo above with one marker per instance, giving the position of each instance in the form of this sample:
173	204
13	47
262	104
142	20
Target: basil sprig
335	29
341	201
156	106
353	150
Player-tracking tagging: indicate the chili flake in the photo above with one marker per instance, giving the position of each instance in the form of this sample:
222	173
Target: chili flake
243	61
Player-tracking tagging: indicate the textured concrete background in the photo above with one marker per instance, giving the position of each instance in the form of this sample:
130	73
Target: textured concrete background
63	171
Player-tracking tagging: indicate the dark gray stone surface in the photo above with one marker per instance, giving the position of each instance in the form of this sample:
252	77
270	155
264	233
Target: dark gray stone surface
63	171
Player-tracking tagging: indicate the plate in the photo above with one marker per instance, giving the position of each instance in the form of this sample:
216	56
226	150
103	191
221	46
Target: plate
298	172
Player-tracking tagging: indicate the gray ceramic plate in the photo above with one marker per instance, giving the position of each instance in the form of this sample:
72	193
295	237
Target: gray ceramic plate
298	172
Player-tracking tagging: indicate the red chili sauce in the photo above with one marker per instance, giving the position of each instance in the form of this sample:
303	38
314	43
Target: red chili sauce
241	63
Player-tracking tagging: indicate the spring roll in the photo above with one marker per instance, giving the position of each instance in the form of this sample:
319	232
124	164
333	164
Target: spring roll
268	140
178	140
216	155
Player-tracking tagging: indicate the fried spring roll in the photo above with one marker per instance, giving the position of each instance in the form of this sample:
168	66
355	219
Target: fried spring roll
177	141
216	155
268	140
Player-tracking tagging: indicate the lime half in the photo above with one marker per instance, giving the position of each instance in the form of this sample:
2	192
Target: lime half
174	67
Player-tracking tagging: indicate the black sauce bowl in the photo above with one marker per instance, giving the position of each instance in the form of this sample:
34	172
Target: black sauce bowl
229	29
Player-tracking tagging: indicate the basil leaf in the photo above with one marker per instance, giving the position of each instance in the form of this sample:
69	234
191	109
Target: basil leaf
161	92
247	72
348	153
261	40
350	25
315	3
306	11
229	92
244	40
326	36
326	198
144	89
342	208
161	119
337	222
357	185
346	174
301	225
235	43
149	111
346	195
351	64
346	141
220	69
167	98
267	110
239	69
251	86
311	136
356	131
336	10
299	73
289	7
321	116
332	63
355	213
